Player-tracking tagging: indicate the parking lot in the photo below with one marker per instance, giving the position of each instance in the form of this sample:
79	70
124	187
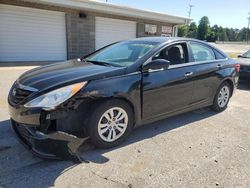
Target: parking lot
196	149
233	47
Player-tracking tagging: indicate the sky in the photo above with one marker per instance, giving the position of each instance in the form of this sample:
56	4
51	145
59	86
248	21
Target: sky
226	13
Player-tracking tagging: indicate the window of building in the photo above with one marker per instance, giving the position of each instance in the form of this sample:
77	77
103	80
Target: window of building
150	29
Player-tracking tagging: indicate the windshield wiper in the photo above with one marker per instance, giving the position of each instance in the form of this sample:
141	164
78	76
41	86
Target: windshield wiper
98	62
95	62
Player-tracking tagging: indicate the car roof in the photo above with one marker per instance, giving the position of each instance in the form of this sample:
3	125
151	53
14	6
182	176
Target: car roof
161	40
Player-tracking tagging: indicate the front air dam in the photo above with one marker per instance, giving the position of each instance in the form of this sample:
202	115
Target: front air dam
55	145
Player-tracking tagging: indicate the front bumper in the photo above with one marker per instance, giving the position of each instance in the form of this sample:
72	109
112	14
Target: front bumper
25	116
53	145
49	133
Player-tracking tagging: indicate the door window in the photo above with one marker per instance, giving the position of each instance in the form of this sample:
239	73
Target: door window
176	54
201	52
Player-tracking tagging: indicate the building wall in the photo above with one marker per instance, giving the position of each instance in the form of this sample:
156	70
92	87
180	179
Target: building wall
81	31
80	35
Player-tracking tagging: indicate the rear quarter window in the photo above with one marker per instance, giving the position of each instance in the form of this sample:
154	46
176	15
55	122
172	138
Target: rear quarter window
219	55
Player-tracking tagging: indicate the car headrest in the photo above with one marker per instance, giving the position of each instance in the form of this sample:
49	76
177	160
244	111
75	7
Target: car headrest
174	54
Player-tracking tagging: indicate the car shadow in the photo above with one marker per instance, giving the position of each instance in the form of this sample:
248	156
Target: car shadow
149	131
244	84
34	169
20	168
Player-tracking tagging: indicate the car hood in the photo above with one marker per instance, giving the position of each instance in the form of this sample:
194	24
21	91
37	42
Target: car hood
244	61
69	72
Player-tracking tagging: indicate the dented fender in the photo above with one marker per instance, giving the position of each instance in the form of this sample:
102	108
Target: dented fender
126	87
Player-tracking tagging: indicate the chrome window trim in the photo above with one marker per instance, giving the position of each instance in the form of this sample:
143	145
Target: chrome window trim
185	64
196	63
134	73
155	70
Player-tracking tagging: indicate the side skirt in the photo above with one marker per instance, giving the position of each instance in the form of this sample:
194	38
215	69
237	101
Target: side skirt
158	118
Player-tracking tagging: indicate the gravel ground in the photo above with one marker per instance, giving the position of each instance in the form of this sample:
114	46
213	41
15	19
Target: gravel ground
196	149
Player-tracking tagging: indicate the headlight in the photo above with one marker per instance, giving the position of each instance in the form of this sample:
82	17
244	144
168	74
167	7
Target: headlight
56	97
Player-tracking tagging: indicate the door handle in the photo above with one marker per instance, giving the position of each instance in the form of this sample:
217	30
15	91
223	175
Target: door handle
188	74
219	66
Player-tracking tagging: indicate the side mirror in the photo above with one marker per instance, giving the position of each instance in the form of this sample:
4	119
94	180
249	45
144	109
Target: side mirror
156	65
239	56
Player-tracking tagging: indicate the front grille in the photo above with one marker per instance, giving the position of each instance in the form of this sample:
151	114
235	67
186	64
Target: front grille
17	95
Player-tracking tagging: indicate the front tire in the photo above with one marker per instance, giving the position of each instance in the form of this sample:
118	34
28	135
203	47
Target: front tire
110	123
222	97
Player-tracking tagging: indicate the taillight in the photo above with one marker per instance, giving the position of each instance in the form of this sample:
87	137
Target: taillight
237	67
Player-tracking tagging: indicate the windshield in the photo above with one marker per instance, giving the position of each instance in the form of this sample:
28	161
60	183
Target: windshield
122	54
247	54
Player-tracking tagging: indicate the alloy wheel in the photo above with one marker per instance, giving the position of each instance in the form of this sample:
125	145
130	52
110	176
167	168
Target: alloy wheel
113	124
223	96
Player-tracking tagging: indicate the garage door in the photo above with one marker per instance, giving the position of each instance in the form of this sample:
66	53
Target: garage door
113	30
28	34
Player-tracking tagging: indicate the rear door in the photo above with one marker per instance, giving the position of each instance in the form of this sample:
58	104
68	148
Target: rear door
206	62
168	91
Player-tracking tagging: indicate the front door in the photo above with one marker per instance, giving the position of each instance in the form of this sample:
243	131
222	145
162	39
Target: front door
168	91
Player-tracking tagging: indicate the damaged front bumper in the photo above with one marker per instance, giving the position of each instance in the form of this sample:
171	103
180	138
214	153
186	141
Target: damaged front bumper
55	145
37	130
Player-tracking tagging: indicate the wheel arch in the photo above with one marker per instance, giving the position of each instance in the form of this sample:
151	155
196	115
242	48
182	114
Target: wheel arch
124	99
230	82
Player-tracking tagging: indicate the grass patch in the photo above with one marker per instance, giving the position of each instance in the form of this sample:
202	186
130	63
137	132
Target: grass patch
233	55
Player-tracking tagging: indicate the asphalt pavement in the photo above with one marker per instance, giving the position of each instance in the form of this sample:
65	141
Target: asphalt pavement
197	149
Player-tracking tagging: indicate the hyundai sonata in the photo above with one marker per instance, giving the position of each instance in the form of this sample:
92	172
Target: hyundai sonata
54	109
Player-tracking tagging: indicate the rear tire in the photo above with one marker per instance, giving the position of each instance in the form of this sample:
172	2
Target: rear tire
110	123
222	97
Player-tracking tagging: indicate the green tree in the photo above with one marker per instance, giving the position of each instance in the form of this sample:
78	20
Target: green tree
212	34
231	34
192	30
242	35
182	31
211	37
215	30
222	34
203	28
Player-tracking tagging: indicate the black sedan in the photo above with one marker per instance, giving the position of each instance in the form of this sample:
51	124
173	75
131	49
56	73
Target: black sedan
54	109
244	61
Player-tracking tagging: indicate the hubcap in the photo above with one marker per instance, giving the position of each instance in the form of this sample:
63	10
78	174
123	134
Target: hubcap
113	124
223	96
